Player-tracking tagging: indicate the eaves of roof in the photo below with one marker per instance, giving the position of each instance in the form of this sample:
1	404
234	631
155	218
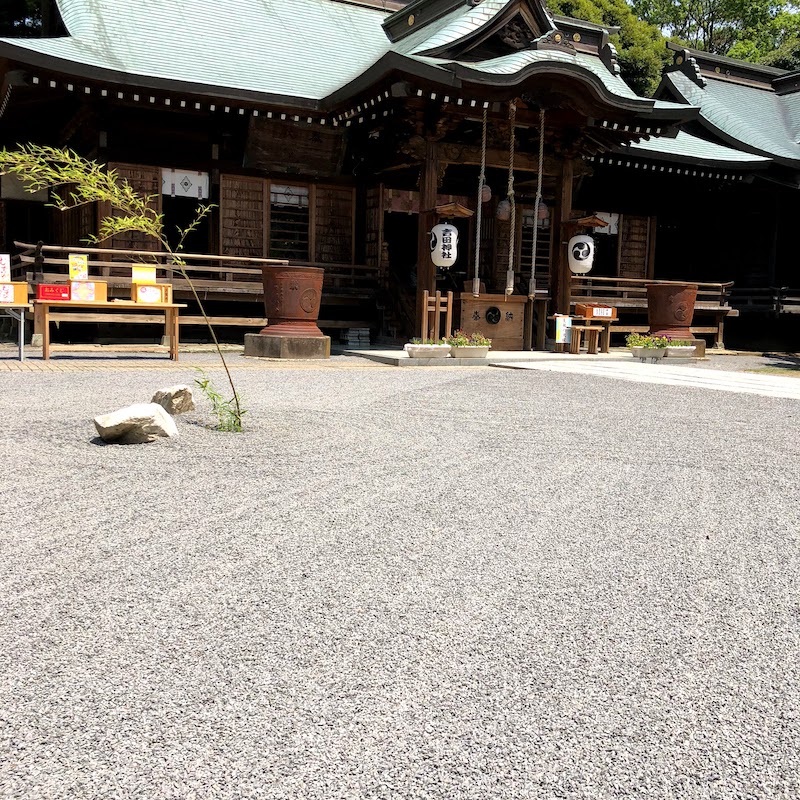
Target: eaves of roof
688	149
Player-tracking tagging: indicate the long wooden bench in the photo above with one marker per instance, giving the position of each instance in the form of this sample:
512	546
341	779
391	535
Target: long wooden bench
629	297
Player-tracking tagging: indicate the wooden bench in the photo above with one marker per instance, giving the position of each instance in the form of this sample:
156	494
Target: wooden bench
349	290
629	297
592	338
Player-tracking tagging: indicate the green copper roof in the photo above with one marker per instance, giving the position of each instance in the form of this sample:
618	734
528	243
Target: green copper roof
524	60
310	53
691	149
462	24
302	48
753	117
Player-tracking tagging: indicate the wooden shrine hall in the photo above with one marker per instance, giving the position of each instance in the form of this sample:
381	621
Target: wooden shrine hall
328	133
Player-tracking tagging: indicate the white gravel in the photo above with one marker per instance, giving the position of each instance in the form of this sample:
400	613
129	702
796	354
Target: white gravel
416	583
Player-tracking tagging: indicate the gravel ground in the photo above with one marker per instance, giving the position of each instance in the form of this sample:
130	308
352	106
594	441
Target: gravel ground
416	583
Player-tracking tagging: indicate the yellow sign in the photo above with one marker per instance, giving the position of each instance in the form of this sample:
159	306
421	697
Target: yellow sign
143	275
78	267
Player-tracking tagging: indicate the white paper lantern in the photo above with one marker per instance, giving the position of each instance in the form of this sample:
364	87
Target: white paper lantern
444	245
581	254
503	211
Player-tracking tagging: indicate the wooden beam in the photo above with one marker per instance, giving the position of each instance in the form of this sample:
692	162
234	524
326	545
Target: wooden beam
426	271
562	212
416	147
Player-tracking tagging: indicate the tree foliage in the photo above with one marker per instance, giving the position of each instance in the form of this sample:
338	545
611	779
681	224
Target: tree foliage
20	17
763	31
641	46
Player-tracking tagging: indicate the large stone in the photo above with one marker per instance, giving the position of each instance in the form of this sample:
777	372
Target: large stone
175	399
143	422
260	345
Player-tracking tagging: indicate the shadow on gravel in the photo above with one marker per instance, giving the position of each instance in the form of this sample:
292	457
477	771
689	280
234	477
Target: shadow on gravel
780	364
783	361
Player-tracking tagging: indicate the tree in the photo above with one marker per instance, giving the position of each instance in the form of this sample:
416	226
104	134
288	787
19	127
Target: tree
641	46
43	167
765	31
30	18
20	18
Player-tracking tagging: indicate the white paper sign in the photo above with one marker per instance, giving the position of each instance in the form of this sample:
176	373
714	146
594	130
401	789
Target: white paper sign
563	329
6	293
601	312
5	267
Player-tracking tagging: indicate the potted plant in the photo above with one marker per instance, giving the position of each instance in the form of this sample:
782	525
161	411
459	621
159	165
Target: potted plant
427	348
680	348
642	347
475	345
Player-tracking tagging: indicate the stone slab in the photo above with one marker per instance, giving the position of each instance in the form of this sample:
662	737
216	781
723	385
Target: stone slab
261	345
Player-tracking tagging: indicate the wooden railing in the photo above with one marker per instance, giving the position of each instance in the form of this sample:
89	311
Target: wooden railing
629	297
351	289
767	299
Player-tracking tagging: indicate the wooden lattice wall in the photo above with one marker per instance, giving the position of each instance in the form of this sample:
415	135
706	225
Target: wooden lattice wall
636	246
145	180
242	216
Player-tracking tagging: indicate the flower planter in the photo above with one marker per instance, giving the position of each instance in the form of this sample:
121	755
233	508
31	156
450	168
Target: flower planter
648	352
470	351
670	308
680	351
427	350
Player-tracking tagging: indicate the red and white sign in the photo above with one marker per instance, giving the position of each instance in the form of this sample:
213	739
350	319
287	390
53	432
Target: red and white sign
52	291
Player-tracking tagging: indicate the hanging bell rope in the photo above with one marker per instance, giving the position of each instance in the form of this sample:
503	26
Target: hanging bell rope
476	281
512	116
532	285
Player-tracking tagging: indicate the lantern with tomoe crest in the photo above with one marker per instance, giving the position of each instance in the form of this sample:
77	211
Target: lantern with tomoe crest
581	254
444	245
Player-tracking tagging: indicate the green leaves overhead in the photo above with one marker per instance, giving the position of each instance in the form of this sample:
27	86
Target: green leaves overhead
641	46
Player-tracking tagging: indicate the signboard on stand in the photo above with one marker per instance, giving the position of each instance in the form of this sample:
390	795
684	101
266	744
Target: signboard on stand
78	267
563	329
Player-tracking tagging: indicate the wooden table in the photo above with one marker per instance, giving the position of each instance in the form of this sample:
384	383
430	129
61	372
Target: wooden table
17	313
120	311
605	322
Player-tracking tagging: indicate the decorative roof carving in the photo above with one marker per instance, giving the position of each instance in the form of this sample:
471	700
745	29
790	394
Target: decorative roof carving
608	55
553	40
690	67
516	34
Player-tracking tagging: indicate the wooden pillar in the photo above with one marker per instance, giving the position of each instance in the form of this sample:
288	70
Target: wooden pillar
426	271
559	266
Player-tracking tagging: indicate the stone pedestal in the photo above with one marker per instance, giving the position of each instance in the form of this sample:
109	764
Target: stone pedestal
268	345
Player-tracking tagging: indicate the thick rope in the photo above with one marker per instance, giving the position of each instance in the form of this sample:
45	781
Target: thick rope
512	116
532	285
476	281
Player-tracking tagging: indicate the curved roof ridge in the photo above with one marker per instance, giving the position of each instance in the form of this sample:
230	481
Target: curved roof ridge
464	25
78	16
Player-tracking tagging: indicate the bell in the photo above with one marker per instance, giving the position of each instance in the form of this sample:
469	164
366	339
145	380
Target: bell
486	193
